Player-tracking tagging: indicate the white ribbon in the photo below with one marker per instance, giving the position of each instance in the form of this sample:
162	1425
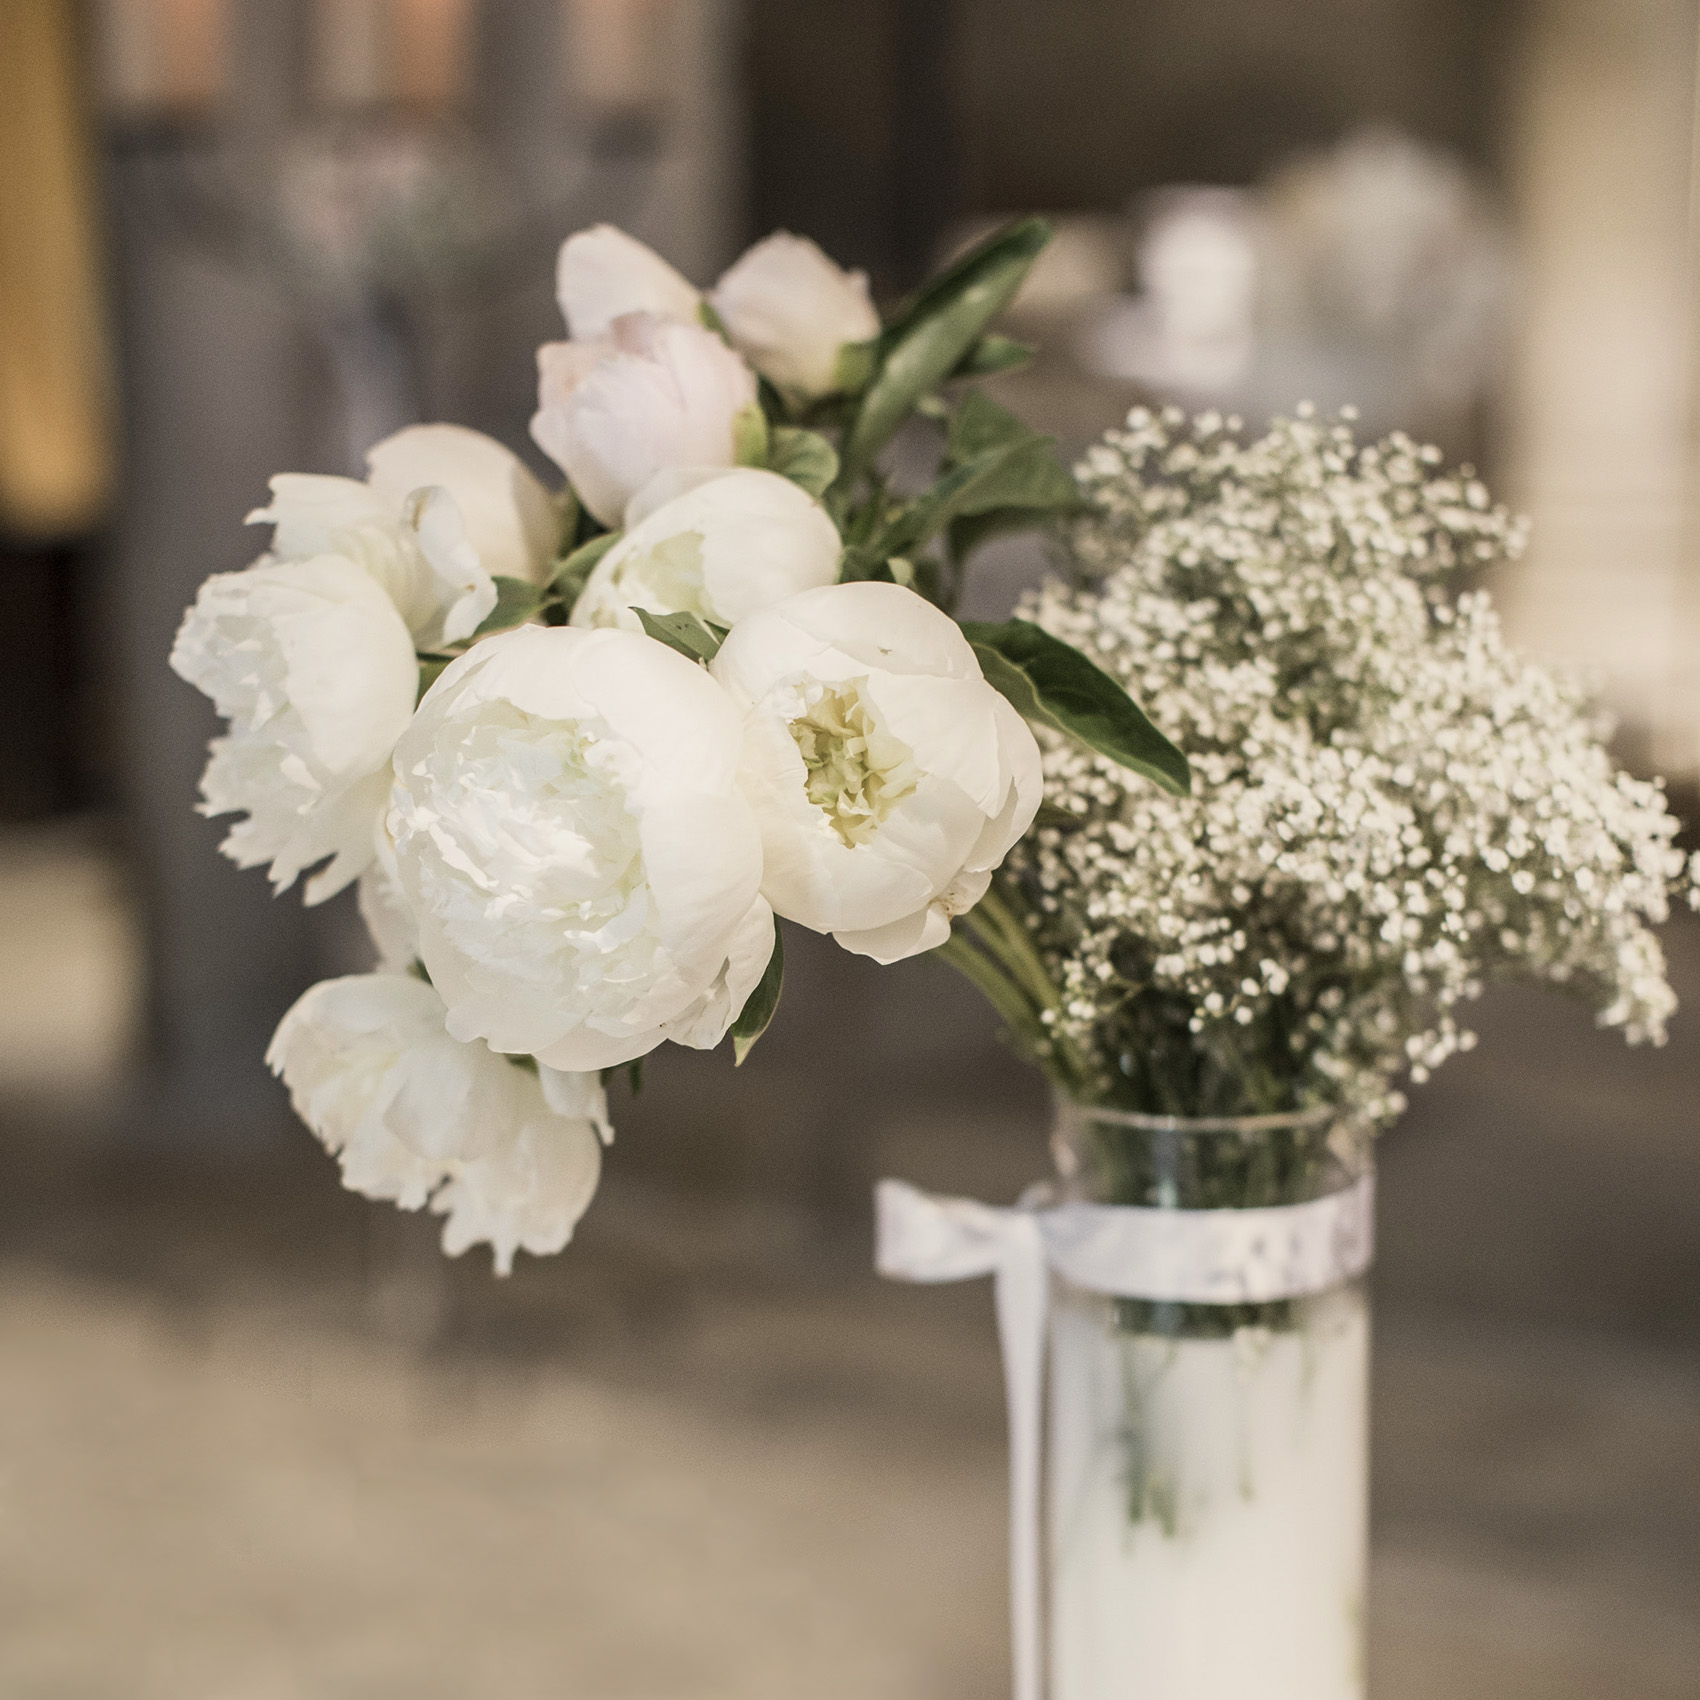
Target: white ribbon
1181	1256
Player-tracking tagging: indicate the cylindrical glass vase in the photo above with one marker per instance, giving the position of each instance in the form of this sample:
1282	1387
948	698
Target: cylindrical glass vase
1208	1518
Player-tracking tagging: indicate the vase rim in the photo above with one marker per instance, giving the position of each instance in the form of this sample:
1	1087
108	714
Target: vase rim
1318	1116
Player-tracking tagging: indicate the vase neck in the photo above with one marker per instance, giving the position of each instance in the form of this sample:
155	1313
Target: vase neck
1208	1162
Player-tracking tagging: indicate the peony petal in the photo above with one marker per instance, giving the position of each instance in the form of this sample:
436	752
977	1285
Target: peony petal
528	1197
383	907
704	1024
339	1050
583	1050
877	626
952	728
352	673
510	519
1026	791
603	273
926	929
581	1096
555	917
721	549
655	394
809	874
464	590
668	484
310	510
703	858
314	668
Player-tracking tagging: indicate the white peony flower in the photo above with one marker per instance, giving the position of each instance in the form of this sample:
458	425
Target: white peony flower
443	511
654	394
721	550
310	652
314	668
528	1196
888	777
603	273
512	1156
570	839
790	311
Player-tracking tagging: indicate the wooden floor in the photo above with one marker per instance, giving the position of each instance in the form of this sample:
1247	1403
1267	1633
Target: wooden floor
296	1458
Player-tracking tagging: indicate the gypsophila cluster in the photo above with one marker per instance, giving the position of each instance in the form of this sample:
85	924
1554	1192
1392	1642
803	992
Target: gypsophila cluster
1391	807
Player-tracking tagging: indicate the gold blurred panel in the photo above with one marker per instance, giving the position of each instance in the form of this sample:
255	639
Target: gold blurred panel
55	377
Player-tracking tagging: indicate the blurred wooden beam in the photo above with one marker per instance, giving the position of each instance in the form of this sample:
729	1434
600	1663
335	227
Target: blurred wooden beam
56	462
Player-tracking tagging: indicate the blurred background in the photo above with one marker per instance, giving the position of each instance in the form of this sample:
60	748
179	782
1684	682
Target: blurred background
258	1441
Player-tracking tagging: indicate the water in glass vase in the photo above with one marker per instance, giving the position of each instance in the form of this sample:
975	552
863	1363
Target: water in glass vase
1208	1482
1208	1506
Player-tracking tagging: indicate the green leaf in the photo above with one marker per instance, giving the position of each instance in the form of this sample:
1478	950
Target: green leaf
749	436
969	532
858	563
569	513
991	354
1033	479
516	602
980	425
572	574
1054	684
761	1003
684	632
987	481
854	366
430	671
1054	814
929	340
993	464
805	457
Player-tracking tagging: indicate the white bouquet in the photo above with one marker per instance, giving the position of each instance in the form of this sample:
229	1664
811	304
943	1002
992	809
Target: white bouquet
581	747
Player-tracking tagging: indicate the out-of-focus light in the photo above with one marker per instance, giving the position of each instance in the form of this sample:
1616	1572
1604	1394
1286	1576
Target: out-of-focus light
1192	327
411	53
162	56
617	53
433	51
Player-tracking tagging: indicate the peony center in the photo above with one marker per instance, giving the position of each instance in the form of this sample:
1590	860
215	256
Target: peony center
858	773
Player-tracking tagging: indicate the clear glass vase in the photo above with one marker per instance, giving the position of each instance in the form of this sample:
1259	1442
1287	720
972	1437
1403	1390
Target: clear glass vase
1208	1494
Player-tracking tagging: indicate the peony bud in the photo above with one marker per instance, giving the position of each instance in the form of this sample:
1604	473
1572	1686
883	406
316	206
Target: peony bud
790	311
655	394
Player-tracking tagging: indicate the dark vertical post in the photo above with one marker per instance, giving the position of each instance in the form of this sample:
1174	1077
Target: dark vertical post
926	165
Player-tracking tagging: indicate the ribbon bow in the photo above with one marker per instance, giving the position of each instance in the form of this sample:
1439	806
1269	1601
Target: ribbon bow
1181	1256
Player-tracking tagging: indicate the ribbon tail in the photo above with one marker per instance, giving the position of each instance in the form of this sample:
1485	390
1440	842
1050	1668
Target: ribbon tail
922	1238
1023	1293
